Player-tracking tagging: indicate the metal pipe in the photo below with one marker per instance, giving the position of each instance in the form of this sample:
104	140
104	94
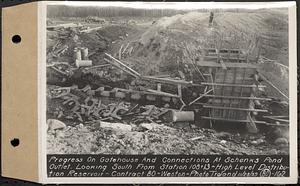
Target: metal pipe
178	116
83	63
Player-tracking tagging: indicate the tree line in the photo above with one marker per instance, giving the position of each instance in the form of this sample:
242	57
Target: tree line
71	11
84	11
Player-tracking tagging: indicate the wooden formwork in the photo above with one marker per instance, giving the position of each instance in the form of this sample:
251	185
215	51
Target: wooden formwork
235	86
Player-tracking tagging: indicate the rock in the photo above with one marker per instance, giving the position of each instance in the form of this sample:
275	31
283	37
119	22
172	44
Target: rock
115	126
193	126
223	135
209	130
146	126
54	124
273	151
180	125
277	133
223	141
117	151
197	138
244	146
59	134
80	125
260	141
254	142
281	141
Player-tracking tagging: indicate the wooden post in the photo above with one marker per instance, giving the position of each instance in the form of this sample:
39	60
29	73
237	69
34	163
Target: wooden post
158	87
120	52
179	90
251	126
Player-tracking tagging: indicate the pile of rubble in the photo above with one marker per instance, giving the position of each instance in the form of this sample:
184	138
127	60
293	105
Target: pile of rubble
151	138
81	105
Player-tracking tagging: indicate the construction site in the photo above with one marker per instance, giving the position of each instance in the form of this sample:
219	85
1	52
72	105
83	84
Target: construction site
167	82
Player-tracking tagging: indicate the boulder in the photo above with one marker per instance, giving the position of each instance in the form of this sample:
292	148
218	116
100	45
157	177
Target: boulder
54	124
223	141
223	135
273	151
115	126
281	141
154	126
146	126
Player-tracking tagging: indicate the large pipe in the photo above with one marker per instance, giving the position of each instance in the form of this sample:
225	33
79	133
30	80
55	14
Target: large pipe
83	63
180	116
183	116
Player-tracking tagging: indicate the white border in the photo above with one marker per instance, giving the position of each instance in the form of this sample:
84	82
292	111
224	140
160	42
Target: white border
42	128
187	180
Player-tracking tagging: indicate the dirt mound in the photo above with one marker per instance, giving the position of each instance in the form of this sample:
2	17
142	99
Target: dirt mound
162	45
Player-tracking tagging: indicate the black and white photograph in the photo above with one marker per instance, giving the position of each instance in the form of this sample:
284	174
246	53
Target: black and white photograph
138	89
167	81
149	92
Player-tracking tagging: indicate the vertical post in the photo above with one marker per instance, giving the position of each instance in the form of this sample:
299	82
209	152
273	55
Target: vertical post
85	53
77	54
179	91
158	87
259	49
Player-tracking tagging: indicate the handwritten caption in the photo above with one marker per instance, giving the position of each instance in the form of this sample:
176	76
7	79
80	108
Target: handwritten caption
167	166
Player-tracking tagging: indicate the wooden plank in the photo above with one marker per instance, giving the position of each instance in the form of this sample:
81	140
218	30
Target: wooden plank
120	52
222	90
123	65
169	81
233	114
231	58
232	120
232	108
244	74
162	93
66	25
251	126
228	65
90	29
179	90
125	48
272	85
118	66
280	116
274	124
224	50
97	66
148	92
237	78
234	85
277	119
220	60
201	96
158	86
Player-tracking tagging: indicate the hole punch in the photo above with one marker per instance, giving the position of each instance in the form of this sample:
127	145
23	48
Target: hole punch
15	142
16	39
